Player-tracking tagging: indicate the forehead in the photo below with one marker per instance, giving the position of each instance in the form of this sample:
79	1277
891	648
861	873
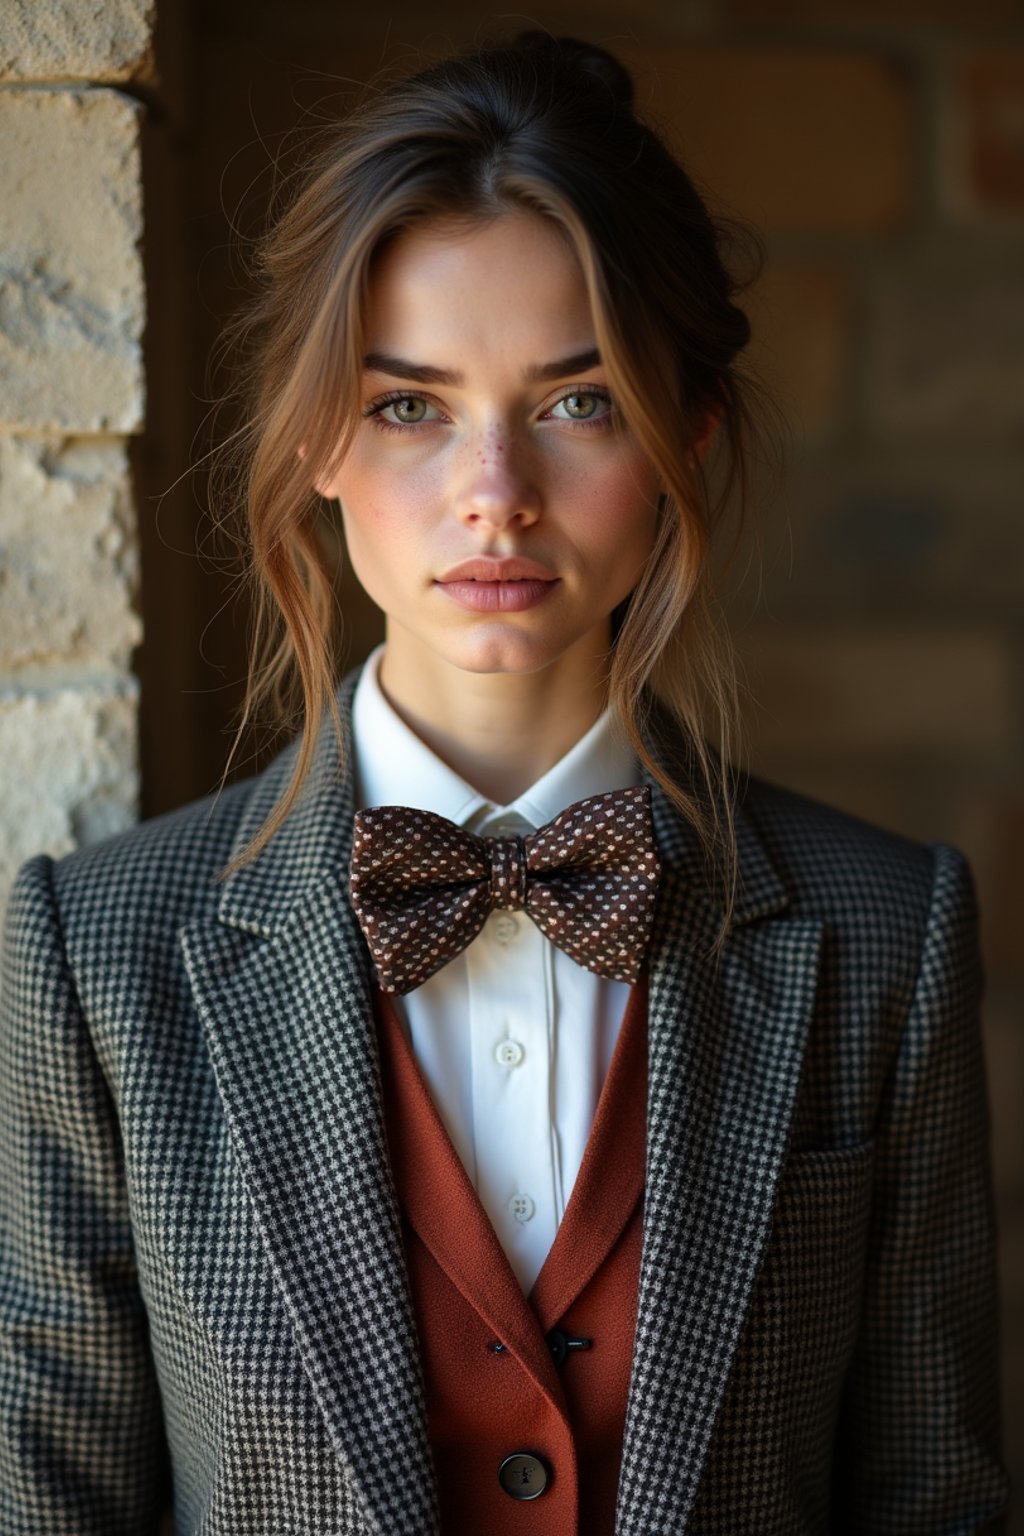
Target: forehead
443	293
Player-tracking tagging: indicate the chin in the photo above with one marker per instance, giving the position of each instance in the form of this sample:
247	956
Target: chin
503	653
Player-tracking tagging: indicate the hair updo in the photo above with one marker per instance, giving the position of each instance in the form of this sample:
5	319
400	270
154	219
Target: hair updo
549	125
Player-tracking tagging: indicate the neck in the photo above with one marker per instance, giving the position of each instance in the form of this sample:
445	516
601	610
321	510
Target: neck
499	731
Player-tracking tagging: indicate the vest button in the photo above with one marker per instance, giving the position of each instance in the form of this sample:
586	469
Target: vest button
523	1475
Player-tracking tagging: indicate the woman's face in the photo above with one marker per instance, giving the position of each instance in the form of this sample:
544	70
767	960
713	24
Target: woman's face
495	506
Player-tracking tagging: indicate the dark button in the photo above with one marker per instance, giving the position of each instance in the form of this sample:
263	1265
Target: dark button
560	1343
523	1475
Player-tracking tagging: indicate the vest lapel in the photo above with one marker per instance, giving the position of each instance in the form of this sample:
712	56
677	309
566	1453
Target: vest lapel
611	1176
726	1040
444	1209
281	984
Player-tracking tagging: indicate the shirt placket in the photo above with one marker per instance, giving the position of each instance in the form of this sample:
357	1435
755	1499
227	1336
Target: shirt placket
511	996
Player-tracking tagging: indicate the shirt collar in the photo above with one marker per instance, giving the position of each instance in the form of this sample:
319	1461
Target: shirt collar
394	767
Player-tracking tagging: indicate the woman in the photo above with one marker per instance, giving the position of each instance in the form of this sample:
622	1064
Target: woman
497	1114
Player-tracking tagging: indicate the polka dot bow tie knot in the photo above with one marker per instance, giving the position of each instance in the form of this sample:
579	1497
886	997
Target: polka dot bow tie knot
422	887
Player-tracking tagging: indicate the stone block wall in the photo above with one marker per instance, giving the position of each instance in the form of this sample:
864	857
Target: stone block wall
72	314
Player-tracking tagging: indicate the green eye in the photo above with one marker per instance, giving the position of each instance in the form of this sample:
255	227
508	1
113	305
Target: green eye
582	405
396	411
409	410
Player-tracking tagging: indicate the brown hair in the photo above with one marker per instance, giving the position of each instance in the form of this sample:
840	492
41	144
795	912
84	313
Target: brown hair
549	125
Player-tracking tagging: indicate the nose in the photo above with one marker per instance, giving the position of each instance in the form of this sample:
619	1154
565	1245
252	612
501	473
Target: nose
498	492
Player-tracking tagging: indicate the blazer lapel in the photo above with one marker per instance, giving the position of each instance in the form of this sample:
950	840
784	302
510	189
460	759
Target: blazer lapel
726	1042
281	983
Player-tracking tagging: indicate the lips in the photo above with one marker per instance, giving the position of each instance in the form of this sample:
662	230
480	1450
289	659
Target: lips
497	586
484	568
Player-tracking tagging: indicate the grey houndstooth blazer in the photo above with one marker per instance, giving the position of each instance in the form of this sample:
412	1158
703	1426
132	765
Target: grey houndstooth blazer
201	1272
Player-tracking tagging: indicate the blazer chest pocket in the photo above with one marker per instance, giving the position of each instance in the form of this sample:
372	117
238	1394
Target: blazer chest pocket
808	1296
823	1202
832	1165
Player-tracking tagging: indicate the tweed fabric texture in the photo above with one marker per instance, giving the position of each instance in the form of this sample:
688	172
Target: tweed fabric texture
423	887
202	1284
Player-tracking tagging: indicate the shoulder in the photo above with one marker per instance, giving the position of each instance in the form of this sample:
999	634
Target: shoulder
895	918
153	875
851	873
103	922
130	894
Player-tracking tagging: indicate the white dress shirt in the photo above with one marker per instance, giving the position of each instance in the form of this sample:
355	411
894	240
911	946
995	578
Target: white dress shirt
513	1038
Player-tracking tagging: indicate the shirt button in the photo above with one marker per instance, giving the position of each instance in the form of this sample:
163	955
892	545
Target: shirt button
523	1475
509	1053
521	1206
505	927
505	829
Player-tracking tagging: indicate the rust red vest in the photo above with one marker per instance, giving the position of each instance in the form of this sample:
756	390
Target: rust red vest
484	1404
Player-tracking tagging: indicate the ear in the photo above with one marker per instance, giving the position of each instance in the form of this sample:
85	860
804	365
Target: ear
323	486
326	487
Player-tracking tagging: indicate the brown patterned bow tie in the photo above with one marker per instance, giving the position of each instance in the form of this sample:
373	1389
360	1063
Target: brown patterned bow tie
422	887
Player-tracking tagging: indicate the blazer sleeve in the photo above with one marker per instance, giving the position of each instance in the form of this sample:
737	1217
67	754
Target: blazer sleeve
82	1445
919	1448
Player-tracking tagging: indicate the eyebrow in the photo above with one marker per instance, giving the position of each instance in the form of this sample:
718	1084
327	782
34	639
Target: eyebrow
425	373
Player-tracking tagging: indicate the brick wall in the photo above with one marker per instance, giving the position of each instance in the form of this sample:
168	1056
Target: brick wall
71	319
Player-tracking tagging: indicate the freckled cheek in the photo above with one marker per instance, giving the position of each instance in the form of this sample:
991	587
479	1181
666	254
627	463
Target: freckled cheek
389	517
388	504
617	506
